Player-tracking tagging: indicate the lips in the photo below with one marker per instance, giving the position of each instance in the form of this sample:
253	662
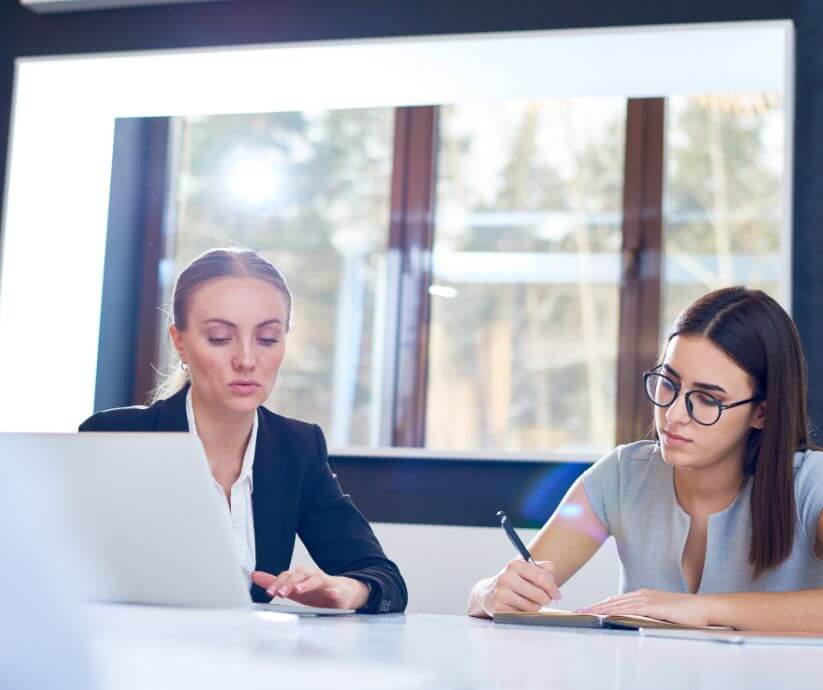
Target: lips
674	440
244	388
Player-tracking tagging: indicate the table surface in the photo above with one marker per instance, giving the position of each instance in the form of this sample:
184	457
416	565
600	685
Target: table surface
154	647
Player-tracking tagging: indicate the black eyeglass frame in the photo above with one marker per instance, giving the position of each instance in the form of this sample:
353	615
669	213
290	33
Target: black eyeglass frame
721	407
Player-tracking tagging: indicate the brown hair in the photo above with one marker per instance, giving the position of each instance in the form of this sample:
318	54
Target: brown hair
755	331
212	264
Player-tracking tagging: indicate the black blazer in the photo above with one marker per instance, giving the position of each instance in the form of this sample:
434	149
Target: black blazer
295	493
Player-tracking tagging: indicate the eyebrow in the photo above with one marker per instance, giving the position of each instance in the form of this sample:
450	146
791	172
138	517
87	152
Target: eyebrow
224	322
697	384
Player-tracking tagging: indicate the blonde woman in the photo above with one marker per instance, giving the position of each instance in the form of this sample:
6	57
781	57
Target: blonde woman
231	311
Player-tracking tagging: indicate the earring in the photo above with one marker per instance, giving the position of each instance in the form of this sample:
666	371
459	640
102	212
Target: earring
184	366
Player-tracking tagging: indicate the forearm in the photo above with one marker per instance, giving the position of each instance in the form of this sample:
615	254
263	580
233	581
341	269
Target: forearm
778	611
388	589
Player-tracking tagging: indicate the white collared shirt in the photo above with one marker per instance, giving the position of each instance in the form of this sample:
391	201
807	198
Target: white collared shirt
240	511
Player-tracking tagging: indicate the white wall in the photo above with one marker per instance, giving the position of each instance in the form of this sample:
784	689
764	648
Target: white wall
441	564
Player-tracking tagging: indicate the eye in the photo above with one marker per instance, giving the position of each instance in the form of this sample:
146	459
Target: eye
217	341
665	383
705	399
267	342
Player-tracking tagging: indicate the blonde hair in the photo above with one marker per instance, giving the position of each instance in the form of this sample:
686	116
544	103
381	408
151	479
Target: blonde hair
212	264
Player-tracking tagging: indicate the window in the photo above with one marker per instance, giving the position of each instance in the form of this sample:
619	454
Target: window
523	344
398	158
522	348
309	191
722	204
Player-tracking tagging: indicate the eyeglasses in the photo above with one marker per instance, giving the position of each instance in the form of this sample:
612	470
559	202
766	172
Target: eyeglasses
702	407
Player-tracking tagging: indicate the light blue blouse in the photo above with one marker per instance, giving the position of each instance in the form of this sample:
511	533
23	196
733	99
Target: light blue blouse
632	491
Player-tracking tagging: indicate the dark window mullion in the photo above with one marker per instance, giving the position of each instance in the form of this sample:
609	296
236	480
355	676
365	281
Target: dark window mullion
155	193
641	265
411	236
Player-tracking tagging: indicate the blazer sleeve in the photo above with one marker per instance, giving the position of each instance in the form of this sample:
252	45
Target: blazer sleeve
341	541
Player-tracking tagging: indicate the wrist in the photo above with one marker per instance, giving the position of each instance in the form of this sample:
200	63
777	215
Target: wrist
713	606
358	592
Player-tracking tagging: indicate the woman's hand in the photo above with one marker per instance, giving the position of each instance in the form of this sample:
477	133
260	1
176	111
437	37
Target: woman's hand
520	586
686	609
313	587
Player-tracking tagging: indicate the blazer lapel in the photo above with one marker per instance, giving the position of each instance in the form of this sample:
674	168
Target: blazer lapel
268	505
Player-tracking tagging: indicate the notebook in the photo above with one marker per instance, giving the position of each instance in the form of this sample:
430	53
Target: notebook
738	636
569	619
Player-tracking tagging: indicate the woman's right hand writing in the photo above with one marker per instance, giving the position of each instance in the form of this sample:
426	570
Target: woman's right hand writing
520	586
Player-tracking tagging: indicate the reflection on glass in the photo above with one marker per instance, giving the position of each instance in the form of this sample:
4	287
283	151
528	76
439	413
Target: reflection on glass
523	340
310	191
723	196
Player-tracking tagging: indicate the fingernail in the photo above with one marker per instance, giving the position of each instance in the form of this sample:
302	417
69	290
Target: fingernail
270	591
281	592
299	588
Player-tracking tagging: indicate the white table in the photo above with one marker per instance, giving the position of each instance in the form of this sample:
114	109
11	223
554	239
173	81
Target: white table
144	647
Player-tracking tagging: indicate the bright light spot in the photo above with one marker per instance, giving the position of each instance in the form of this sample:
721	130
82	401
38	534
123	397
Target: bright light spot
254	177
572	510
443	291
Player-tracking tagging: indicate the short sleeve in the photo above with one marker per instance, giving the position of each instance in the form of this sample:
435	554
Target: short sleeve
808	489
602	484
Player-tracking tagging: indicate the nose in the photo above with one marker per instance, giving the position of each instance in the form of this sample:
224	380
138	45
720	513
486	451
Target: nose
677	413
243	359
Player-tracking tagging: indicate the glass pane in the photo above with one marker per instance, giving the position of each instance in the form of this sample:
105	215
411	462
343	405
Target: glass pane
523	341
723	198
310	191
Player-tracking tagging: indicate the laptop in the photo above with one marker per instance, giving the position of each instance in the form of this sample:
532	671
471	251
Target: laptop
132	517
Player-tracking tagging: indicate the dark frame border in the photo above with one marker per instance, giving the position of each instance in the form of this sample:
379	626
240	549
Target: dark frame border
455	491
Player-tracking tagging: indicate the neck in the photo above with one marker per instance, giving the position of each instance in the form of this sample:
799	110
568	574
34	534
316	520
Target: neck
224	434
710	489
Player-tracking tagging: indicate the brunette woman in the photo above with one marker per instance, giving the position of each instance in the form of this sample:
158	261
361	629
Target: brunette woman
718	520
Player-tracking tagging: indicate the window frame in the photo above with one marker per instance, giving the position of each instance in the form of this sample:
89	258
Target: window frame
410	243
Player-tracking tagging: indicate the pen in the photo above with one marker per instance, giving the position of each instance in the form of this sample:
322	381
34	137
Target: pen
518	544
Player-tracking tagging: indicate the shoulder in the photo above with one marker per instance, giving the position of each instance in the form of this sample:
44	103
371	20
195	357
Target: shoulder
638	454
808	462
808	491
167	414
630	458
613	480
808	472
134	418
291	432
626	469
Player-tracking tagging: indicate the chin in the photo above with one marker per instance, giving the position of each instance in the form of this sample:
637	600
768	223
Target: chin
248	404
677	457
